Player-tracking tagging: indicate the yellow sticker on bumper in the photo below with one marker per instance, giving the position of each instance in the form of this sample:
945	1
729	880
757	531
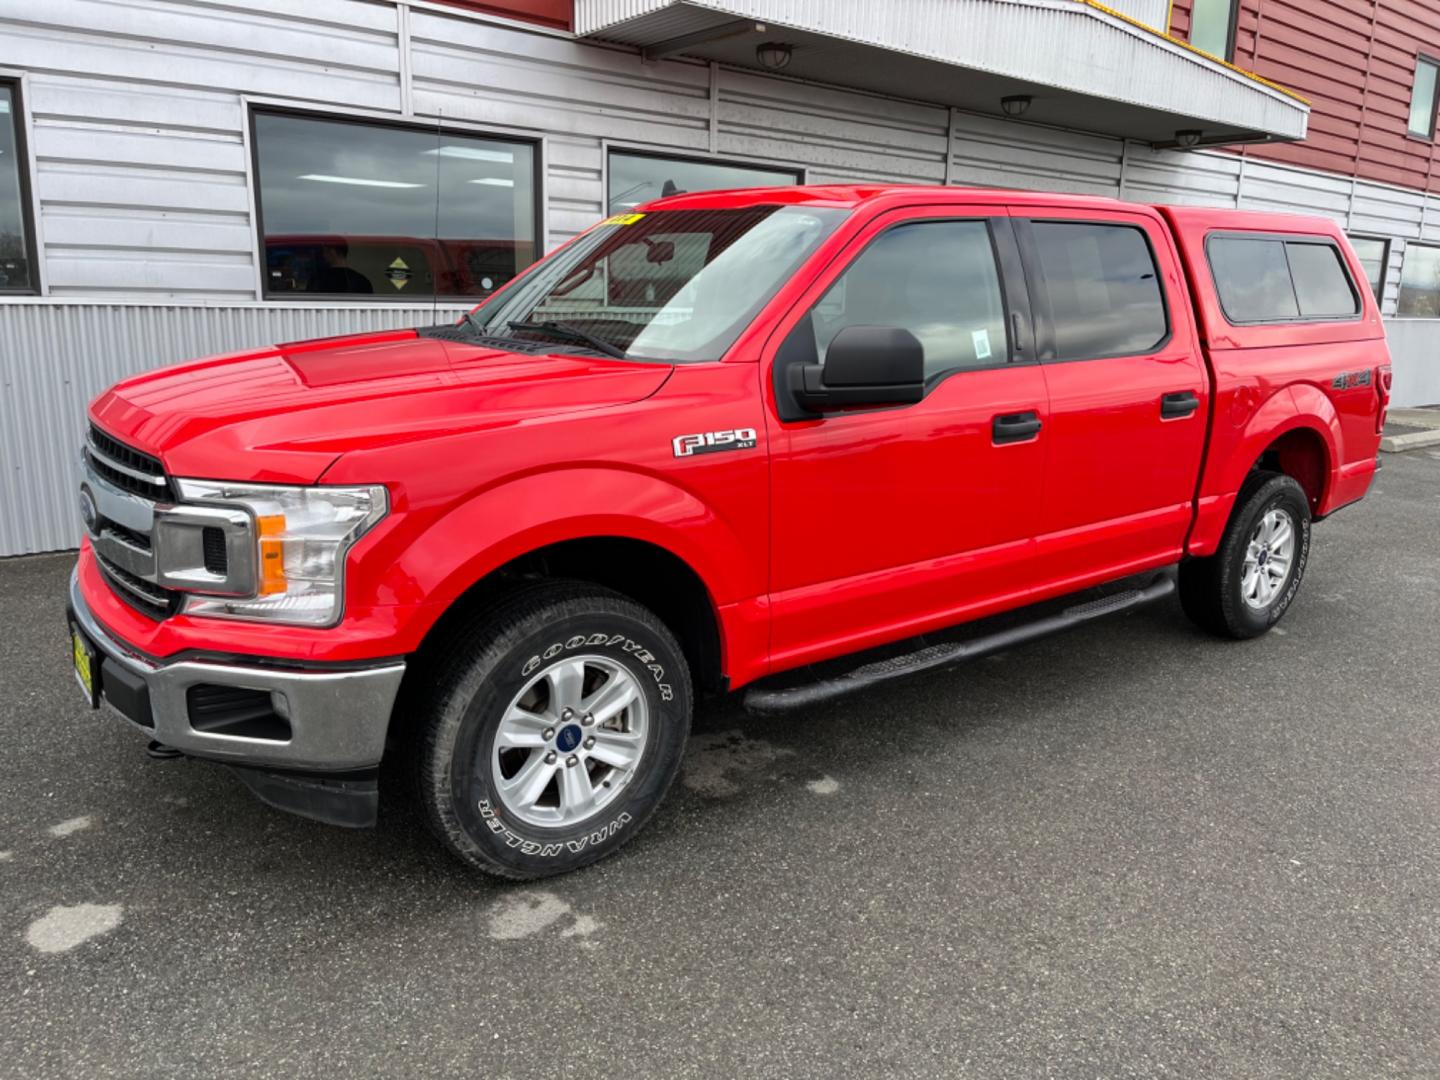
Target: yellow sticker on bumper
82	664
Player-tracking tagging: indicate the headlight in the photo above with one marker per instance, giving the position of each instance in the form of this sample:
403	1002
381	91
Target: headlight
301	537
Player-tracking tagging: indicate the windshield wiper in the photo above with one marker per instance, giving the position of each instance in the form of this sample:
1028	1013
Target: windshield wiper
573	333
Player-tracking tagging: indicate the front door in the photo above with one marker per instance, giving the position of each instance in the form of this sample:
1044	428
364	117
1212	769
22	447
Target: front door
891	521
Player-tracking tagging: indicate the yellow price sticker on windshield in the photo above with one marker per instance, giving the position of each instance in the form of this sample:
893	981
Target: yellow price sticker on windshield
622	219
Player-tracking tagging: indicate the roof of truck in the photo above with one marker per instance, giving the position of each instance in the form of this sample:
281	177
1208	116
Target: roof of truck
852	196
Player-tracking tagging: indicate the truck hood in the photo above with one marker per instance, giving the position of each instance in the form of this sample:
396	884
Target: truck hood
284	414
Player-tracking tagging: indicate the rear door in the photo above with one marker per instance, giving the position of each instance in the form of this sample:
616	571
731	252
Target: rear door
1127	387
889	521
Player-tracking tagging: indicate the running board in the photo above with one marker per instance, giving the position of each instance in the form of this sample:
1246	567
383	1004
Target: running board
759	699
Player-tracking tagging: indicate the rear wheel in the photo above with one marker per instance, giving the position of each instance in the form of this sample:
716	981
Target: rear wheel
557	724
1249	583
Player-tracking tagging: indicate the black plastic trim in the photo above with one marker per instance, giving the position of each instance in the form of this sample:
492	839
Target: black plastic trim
349	800
1148	588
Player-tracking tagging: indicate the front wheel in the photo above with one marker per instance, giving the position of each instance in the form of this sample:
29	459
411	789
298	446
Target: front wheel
1248	584
557	725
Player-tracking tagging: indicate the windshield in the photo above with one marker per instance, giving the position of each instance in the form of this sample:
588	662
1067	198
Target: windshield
671	285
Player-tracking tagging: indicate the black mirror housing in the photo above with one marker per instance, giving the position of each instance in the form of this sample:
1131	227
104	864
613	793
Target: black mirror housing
865	365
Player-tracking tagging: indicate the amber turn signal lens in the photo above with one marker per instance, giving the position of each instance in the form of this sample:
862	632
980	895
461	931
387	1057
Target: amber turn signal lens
272	554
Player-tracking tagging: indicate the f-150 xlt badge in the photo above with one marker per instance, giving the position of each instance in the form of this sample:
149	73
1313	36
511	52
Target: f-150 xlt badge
710	442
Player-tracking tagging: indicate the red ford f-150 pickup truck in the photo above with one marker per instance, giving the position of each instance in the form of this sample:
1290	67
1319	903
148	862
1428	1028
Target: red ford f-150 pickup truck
796	441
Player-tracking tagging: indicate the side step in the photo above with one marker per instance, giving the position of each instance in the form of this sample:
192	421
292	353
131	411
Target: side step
760	699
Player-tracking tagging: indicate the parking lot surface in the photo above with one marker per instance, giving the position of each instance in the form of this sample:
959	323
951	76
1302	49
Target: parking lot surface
1129	851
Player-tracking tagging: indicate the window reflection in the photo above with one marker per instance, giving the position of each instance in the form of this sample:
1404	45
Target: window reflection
1253	279
639	178
1104	289
1420	282
15	267
937	279
1373	254
365	209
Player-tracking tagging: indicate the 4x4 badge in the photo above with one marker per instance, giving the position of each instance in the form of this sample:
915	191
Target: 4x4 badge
710	442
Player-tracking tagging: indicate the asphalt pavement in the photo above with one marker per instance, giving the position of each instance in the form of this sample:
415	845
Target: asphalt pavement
1132	851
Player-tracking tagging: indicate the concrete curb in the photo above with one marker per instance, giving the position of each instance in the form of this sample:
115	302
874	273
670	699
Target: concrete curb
1395	444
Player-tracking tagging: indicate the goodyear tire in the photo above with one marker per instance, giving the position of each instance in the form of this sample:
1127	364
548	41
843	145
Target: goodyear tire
554	728
1246	587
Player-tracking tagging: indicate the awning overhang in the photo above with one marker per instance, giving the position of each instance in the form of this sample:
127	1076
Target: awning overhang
1084	66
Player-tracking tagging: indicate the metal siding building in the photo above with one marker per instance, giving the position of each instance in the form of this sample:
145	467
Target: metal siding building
137	119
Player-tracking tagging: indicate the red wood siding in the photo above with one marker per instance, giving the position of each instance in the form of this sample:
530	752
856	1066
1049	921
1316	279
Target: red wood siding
1355	61
556	13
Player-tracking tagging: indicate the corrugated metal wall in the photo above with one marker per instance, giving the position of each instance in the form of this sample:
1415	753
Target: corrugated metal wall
143	177
55	357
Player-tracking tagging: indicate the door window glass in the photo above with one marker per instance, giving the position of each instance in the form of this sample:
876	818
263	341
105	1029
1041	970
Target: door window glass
937	279
1104	289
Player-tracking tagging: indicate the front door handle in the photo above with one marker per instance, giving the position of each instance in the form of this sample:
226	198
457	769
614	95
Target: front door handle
1015	427
1181	403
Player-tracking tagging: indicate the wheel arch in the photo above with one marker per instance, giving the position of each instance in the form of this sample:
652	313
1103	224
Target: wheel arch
630	531
1297	432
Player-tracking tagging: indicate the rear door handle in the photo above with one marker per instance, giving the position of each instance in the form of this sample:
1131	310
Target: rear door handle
1015	427
1181	403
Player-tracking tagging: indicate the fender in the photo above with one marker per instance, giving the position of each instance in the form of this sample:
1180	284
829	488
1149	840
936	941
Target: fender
522	514
1291	408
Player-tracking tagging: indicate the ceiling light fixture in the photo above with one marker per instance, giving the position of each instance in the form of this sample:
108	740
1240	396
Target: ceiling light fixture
494	181
773	55
357	181
1188	137
1015	104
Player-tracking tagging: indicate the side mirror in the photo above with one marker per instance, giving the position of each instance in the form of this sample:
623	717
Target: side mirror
865	365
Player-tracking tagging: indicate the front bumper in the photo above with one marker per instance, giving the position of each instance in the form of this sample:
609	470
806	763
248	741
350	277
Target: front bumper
326	719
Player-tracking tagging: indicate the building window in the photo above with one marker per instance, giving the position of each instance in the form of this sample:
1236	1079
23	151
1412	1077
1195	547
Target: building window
636	177
17	237
383	211
1374	256
1420	282
1212	27
1423	97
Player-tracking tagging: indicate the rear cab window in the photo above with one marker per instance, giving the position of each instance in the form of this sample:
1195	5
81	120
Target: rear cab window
1288	278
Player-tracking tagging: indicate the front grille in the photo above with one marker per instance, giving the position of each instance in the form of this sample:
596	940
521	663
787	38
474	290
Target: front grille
127	468
130	536
145	597
212	544
123	552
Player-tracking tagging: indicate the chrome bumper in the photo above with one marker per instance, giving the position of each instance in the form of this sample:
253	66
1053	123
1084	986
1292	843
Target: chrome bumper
337	718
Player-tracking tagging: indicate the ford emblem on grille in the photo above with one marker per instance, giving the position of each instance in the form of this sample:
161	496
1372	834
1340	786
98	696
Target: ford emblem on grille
89	513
